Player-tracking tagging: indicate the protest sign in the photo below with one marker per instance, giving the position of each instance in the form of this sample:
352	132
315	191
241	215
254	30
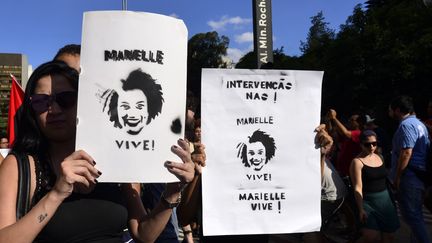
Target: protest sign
132	93
262	174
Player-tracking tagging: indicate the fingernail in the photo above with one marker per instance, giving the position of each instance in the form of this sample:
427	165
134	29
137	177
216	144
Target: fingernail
167	163
96	181
175	147
100	173
94	162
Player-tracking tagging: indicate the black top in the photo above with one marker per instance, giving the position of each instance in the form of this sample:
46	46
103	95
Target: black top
374	178
100	216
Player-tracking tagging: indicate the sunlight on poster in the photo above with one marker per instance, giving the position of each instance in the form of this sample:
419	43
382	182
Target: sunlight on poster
132	93
263	170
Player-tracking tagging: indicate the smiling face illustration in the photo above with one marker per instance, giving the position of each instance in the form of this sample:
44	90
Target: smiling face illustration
257	151
256	154
136	104
133	110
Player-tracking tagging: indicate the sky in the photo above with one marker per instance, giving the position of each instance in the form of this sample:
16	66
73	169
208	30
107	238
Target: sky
38	28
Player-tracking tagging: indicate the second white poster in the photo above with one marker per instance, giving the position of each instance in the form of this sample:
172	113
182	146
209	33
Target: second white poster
263	171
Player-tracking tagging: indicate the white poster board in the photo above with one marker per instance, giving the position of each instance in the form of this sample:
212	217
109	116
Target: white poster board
262	174
132	93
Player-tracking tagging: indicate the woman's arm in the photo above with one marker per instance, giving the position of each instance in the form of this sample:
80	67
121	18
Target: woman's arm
189	205
143	226
147	227
34	221
356	179
341	128
28	227
191	195
324	141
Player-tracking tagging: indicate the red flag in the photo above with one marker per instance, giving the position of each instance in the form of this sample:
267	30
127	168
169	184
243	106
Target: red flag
15	100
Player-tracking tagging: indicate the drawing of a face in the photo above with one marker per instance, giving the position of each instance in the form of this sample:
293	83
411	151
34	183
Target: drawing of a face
136	104
133	110
256	154
257	151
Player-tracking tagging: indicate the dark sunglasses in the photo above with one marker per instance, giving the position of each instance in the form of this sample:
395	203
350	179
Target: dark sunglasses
370	143
41	102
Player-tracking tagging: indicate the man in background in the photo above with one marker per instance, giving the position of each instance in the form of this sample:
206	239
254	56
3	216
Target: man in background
410	147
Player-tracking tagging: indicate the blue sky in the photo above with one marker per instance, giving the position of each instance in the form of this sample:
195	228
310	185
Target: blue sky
38	28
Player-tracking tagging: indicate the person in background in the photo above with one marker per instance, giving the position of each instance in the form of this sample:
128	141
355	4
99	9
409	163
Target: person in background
70	54
410	147
4	147
333	189
384	145
192	193
377	211
428	120
350	143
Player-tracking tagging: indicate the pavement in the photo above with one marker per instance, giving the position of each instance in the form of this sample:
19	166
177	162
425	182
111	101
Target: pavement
401	236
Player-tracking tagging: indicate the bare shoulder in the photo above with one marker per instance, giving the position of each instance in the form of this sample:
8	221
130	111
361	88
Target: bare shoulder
8	190
356	166
9	168
357	162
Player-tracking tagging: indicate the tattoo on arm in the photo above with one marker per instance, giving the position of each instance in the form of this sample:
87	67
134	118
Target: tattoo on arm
42	217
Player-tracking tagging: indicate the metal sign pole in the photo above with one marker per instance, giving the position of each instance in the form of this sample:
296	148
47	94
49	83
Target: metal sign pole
263	35
124	4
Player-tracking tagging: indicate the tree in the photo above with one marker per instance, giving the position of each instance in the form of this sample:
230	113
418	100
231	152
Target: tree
318	41
205	50
280	61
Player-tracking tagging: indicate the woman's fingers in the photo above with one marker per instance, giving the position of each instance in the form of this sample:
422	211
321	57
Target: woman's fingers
182	151
79	170
81	155
84	164
184	171
184	144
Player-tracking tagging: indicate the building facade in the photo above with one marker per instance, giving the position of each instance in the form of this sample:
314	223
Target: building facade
17	65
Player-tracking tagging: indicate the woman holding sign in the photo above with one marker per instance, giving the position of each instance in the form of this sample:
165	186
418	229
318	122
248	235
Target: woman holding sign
376	209
66	202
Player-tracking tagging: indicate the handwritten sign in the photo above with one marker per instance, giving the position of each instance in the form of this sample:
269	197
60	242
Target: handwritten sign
132	93
263	171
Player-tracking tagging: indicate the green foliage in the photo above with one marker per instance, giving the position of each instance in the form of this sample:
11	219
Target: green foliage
383	49
205	50
280	61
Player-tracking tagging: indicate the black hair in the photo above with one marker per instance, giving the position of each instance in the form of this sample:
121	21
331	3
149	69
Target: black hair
365	134
29	138
72	49
404	103
140	80
257	136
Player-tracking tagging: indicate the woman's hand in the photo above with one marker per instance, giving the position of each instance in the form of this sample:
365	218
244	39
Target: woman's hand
76	170
183	171
323	140
331	114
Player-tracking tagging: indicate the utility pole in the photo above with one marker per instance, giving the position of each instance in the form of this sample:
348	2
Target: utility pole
124	5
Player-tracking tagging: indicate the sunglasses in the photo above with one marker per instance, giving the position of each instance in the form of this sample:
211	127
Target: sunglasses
367	144
41	102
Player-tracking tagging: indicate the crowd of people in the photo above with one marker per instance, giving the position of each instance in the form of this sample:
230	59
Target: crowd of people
65	202
383	173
